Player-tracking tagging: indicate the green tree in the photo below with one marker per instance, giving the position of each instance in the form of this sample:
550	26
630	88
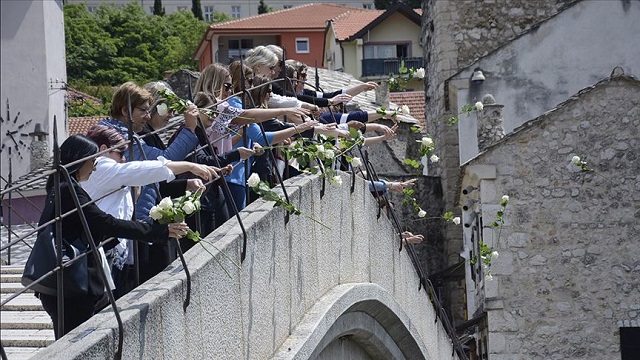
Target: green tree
196	8
263	8
158	9
116	45
89	47
385	4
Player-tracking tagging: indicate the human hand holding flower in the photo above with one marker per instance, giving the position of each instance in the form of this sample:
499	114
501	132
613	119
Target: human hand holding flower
174	211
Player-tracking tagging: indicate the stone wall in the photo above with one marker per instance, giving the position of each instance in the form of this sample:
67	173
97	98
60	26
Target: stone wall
568	274
302	287
455	32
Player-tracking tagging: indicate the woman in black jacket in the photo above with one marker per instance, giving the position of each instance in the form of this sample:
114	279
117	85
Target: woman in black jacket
79	308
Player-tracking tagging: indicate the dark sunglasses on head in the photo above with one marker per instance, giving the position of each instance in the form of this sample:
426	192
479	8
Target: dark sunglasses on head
228	86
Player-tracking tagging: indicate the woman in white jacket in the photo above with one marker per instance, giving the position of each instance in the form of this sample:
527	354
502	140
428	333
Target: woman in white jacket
110	184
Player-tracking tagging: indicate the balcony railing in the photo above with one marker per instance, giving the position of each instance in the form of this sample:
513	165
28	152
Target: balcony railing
376	67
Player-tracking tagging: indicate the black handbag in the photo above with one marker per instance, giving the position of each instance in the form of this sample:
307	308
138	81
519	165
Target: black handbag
43	259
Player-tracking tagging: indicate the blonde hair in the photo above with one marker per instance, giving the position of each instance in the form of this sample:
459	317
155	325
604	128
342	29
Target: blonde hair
236	75
212	79
121	97
260	55
276	50
259	94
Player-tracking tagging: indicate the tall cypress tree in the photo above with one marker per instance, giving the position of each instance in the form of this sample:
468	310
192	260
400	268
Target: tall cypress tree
157	8
196	8
263	8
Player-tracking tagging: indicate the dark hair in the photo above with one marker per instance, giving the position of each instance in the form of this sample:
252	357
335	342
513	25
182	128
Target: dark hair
105	135
76	147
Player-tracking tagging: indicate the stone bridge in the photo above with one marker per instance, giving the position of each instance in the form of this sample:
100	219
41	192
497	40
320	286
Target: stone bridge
337	288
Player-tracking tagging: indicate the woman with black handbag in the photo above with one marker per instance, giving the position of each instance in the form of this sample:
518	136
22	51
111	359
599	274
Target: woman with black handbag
84	288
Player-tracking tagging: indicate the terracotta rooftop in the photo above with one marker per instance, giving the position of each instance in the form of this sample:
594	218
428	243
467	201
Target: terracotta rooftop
349	23
309	16
414	100
80	125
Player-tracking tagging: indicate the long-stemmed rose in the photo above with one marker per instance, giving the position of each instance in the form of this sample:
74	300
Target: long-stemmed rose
263	190
176	210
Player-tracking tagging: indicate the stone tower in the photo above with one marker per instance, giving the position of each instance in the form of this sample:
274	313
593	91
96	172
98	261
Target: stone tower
455	33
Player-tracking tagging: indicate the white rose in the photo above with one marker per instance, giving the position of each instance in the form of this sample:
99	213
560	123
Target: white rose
160	86
479	106
434	158
420	73
488	277
253	180
456	220
320	151
504	198
494	255
188	207
329	154
155	213
405	110
356	162
422	213
392	80
576	160
166	203
336	181
162	109
426	141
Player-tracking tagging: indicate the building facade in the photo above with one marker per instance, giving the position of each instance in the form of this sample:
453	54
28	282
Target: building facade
236	9
565	282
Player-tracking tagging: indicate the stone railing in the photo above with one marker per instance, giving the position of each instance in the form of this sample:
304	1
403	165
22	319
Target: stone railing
302	287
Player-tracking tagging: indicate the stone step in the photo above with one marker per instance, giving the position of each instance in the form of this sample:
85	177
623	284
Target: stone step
34	320
11	278
24	302
27	337
21	353
10	288
11	269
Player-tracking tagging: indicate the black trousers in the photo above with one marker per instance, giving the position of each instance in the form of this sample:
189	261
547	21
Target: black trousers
76	311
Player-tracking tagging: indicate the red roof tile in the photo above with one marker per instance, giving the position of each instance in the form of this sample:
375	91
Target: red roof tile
414	100
349	23
80	125
309	16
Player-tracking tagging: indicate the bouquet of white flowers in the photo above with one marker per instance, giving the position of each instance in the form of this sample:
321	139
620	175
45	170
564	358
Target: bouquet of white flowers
176	210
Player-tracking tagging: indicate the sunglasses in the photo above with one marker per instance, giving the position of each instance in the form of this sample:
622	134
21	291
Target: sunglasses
303	75
228	86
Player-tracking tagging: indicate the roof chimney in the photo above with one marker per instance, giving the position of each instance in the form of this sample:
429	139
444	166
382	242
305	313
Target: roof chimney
490	127
39	147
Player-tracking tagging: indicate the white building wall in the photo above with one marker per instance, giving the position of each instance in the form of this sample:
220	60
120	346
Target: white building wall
539	70
33	54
